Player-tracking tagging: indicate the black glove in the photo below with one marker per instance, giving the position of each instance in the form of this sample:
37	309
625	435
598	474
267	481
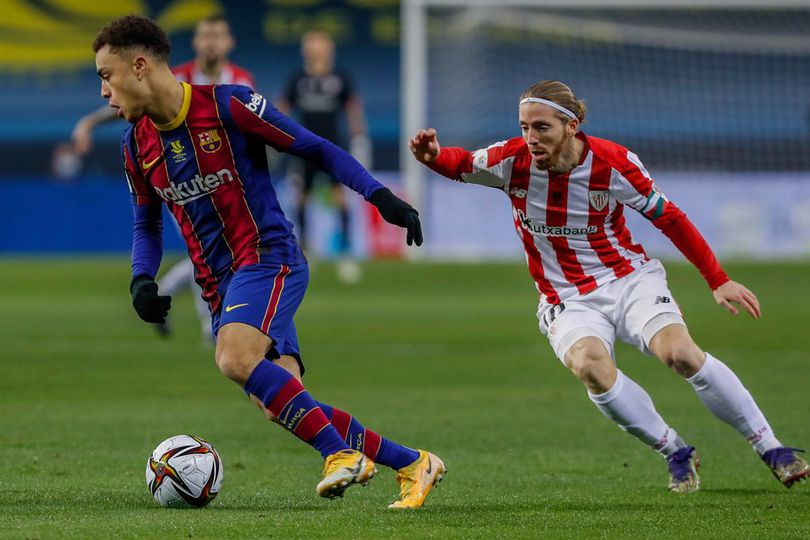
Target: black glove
150	307
395	210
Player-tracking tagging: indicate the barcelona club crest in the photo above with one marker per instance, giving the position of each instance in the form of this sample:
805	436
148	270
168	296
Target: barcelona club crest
209	140
599	199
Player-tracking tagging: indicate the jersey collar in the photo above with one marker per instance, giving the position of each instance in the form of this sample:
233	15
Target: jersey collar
181	116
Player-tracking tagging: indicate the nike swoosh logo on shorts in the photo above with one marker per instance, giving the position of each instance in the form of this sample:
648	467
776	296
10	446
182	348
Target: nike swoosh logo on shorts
228	309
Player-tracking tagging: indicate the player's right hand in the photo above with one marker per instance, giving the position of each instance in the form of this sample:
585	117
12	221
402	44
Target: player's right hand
148	304
425	145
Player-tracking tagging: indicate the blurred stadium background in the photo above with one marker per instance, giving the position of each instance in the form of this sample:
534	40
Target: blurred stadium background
713	95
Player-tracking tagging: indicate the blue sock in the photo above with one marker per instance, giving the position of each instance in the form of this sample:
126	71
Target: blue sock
285	397
379	449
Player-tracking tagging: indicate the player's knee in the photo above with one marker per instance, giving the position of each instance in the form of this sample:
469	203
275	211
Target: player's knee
234	364
682	356
591	364
239	350
289	363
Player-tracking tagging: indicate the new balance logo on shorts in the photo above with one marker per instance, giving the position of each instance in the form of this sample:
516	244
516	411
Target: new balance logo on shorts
662	300
518	192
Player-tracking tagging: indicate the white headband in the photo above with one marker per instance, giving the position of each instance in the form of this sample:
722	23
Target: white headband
566	112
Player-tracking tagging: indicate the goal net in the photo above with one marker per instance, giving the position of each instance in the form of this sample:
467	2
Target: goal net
689	86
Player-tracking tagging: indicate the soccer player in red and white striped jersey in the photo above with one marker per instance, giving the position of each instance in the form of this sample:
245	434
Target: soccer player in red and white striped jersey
568	192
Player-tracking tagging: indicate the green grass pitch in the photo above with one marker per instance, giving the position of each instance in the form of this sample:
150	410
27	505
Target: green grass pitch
443	357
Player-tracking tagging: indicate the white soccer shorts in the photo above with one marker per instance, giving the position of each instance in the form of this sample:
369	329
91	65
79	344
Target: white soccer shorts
633	308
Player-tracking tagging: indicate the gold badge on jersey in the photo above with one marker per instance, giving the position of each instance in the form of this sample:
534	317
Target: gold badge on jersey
178	151
210	140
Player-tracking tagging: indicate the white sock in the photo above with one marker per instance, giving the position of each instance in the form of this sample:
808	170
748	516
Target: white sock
723	393
201	306
176	278
632	409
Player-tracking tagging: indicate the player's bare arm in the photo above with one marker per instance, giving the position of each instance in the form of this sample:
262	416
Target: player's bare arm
82	135
731	292
425	145
356	117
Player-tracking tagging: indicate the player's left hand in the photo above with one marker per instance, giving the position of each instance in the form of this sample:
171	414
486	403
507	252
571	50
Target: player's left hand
396	211
731	291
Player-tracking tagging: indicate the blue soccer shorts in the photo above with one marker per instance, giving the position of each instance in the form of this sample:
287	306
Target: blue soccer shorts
266	296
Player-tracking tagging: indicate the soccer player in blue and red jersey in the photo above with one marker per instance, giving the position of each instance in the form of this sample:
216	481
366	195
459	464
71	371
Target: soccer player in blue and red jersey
212	43
201	150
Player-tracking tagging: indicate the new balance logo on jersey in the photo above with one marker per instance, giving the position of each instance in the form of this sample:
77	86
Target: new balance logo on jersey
190	190
541	228
518	193
662	300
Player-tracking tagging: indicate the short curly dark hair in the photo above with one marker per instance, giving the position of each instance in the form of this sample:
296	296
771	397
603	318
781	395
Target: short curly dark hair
134	32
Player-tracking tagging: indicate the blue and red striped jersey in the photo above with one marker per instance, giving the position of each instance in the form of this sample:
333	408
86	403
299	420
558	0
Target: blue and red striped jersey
209	166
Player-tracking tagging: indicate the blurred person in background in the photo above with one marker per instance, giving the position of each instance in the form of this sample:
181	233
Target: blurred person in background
212	44
568	191
319	96
247	259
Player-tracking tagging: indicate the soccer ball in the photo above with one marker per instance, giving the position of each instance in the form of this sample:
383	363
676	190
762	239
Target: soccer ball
183	471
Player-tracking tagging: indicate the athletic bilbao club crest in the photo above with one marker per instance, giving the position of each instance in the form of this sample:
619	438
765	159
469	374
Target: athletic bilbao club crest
209	140
599	199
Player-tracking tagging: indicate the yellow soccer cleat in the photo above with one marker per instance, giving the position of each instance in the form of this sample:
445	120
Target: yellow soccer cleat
341	470
417	479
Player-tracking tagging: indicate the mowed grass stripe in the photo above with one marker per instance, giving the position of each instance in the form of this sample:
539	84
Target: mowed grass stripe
440	356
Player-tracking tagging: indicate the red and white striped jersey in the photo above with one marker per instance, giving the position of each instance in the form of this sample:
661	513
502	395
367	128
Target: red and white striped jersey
231	74
572	225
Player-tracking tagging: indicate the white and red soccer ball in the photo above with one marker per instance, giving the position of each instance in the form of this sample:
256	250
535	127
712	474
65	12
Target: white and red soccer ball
184	471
